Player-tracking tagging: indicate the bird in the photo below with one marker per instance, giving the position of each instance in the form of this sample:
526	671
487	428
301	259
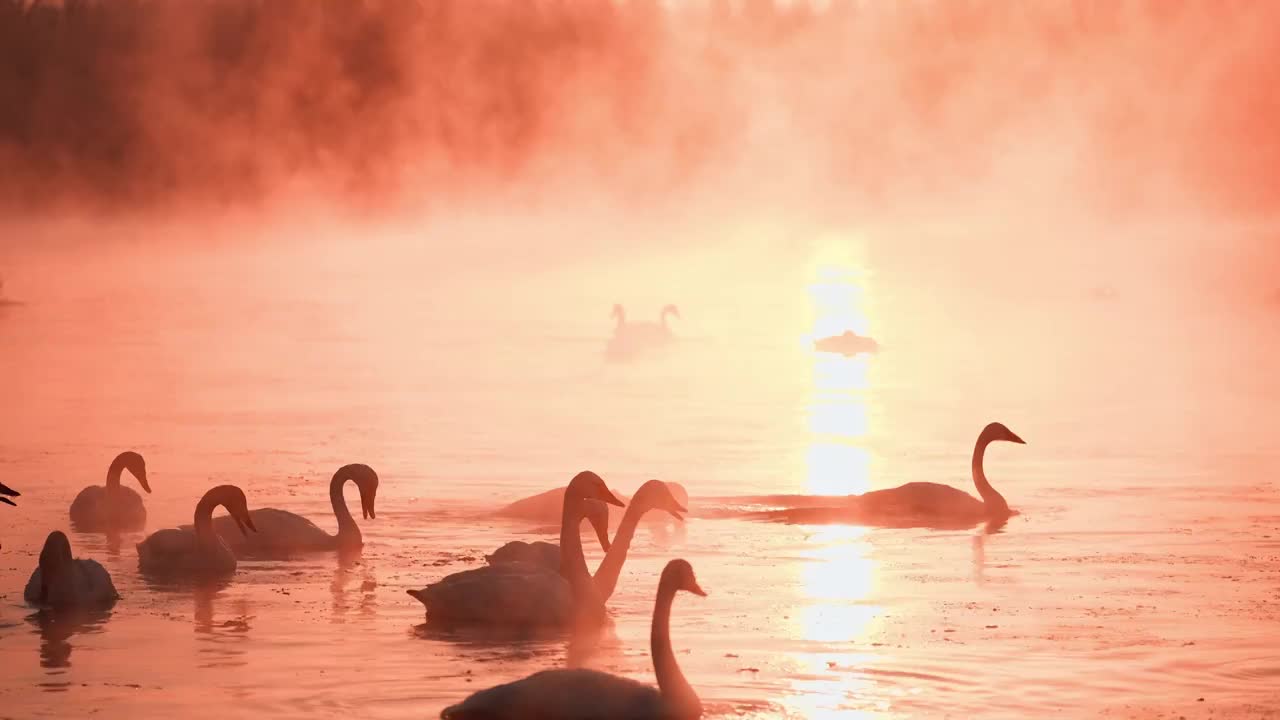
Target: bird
915	504
630	338
282	533
654	494
520	595
198	551
62	582
583	693
849	343
113	507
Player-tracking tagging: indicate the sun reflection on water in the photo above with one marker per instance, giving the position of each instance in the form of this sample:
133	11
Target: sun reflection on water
839	574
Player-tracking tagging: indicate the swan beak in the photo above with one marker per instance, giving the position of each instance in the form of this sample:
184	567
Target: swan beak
143	482
242	523
7	501
675	510
6	490
696	589
1015	439
607	496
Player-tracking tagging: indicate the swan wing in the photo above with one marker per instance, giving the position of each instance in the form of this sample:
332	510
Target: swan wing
545	507
166	545
575	694
277	530
538	553
94	583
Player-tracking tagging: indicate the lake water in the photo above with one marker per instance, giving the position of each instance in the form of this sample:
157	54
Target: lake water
1141	580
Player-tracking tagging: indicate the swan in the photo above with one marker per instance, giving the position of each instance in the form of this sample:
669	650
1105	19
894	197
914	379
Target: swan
198	550
579	693
526	594
60	581
281	533
915	504
113	507
548	554
630	338
653	495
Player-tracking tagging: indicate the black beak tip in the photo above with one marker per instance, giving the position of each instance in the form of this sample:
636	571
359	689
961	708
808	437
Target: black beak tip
7	501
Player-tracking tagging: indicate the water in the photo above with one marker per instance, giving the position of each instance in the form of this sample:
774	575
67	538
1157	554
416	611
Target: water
1141	580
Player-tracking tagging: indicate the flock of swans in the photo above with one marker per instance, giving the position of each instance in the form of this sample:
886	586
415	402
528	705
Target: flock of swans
524	586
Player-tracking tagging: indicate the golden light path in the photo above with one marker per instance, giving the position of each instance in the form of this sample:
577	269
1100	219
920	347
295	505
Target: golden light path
839	574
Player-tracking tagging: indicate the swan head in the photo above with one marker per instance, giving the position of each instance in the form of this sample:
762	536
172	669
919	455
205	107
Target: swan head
671	310
7	492
232	498
618	313
587	485
679	492
597	513
679	574
997	431
367	481
56	552
133	462
657	495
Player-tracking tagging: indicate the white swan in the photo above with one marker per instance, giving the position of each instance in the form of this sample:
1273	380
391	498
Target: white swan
594	694
915	504
282	533
653	495
525	594
548	554
61	582
100	508
199	550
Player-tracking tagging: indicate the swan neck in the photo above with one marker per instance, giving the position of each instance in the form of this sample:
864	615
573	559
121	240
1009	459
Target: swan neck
573	564
204	517
606	578
993	500
347	527
113	474
677	694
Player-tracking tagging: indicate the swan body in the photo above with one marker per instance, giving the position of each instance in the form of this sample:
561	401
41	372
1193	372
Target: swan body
653	495
578	693
915	504
198	550
548	554
102	508
848	344
525	594
282	533
61	582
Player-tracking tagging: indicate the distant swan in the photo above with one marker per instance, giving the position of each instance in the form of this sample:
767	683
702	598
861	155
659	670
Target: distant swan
548	554
281	533
7	492
61	582
653	495
581	693
915	504
101	508
525	594
199	550
630	338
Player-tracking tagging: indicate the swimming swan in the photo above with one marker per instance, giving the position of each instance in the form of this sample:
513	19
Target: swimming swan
581	693
525	594
653	495
101	508
199	550
915	504
61	582
630	338
281	533
548	554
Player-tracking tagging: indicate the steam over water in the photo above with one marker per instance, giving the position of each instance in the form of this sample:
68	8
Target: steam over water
258	241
